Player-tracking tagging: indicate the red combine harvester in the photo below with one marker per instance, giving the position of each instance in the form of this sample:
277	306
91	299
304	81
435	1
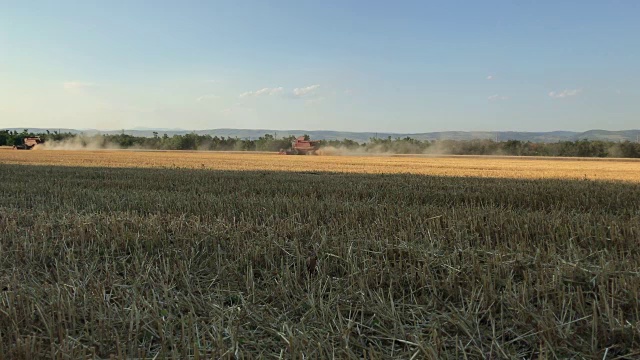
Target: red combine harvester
302	146
29	143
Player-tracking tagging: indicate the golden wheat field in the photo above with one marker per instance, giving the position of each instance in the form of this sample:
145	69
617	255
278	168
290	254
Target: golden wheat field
199	255
480	166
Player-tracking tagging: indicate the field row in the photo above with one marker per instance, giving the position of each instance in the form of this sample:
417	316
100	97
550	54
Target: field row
492	167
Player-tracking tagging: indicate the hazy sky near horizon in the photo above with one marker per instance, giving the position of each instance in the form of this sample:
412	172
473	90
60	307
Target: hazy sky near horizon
405	66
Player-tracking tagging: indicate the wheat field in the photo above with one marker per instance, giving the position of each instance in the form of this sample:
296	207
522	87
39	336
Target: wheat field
142	255
479	166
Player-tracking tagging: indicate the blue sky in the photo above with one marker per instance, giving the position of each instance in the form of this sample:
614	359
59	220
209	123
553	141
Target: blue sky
405	66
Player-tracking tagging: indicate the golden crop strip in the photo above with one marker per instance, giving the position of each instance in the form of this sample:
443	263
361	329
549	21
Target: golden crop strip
497	167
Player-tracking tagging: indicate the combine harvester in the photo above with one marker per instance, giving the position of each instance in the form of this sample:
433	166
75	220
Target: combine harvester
302	146
29	143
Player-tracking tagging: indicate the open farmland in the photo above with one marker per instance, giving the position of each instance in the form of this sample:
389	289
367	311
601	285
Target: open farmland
479	166
217	255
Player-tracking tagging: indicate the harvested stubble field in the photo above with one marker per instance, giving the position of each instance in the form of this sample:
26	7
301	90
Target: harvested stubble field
198	259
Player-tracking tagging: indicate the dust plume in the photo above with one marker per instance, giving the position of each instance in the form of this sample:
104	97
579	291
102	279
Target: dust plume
416	148
96	142
351	151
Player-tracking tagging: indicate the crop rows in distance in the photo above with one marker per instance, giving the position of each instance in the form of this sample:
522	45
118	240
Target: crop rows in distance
492	167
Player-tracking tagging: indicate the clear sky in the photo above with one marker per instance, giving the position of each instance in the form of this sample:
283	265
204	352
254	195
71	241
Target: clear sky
399	66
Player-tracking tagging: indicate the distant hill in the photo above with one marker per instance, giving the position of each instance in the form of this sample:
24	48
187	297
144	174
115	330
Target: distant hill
551	136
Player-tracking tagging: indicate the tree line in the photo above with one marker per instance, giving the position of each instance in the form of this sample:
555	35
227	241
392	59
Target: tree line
407	145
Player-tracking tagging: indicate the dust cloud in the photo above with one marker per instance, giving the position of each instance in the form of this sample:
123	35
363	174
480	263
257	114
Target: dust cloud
79	143
434	149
